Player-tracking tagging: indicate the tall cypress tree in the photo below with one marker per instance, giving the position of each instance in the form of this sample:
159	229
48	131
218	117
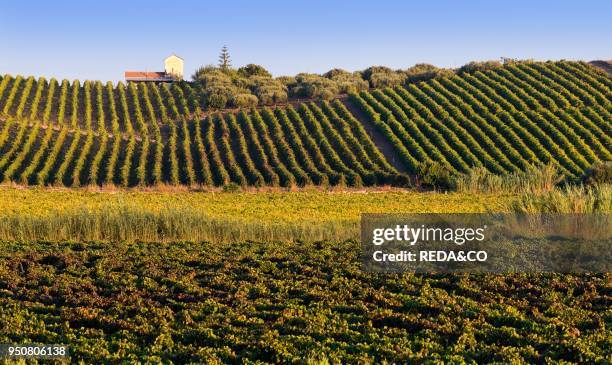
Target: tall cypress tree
224	59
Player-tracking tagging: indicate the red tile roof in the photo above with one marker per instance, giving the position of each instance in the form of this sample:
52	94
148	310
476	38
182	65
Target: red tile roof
140	75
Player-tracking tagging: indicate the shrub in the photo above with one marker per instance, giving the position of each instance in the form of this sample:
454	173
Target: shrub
380	76
424	72
286	80
324	94
268	91
216	99
599	173
232	187
479	66
434	175
216	87
253	70
313	86
245	100
201	72
347	82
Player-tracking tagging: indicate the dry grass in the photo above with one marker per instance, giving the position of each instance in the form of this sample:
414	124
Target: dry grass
569	199
156	216
534	180
168	188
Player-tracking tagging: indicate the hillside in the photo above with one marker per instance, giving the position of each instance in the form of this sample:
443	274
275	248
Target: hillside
604	65
504	119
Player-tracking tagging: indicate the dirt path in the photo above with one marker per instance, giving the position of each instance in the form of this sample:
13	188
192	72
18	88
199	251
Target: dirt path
379	139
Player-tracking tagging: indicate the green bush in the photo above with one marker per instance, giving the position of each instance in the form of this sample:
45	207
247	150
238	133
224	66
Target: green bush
286	80
232	187
269	91
434	175
215	87
215	78
313	86
479	66
253	70
424	72
599	173
216	100
346	81
219	88
380	76
245	101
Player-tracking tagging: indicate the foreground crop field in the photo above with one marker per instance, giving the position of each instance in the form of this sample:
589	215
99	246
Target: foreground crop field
504	119
287	303
269	277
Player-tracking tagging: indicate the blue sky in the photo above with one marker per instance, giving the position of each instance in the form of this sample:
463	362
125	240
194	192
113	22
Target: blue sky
100	40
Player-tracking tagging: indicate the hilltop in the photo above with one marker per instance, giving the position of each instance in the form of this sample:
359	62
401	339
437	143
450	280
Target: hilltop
502	118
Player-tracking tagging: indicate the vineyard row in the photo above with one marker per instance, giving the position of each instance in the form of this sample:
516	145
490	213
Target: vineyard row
504	120
313	145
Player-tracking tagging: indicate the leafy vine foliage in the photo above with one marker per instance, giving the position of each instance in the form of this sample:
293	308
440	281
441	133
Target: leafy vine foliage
503	118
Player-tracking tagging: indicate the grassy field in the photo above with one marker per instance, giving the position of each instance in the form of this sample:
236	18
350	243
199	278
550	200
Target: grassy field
82	215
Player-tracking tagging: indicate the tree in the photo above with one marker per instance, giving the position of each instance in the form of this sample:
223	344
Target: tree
253	70
202	71
380	76
224	59
346	81
268	90
313	86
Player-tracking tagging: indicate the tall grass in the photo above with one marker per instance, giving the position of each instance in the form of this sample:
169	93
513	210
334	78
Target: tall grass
536	180
131	223
78	215
568	199
152	216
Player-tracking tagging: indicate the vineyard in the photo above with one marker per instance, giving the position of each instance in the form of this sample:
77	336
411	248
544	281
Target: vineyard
271	303
184	276
504	119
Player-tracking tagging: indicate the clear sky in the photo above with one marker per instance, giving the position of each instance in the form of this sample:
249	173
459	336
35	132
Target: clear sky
101	39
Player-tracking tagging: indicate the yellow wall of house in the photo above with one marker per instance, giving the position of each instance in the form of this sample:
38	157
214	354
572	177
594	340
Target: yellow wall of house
174	65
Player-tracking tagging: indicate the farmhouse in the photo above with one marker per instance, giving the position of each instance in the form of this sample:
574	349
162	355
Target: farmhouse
173	71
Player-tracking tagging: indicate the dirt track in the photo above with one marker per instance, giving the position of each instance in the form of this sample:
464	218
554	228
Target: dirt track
381	141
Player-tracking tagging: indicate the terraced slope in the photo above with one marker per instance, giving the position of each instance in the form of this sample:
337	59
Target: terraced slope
503	119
